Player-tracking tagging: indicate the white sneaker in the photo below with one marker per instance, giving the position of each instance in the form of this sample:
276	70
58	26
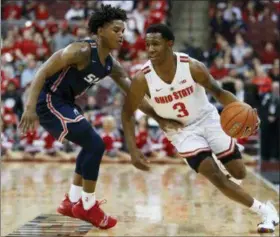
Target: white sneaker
269	219
225	172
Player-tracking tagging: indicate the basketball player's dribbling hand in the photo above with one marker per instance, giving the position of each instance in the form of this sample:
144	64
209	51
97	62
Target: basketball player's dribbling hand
139	161
27	122
257	124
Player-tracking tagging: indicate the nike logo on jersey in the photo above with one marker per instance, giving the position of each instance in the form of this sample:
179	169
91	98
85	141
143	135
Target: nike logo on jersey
76	112
182	82
93	61
157	90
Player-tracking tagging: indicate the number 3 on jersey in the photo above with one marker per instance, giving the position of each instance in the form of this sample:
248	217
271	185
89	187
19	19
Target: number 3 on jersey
181	109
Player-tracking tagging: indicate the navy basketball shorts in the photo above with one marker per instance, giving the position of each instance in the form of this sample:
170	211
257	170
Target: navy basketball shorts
59	118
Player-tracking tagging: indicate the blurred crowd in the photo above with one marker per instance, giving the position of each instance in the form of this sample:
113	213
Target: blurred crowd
243	56
31	35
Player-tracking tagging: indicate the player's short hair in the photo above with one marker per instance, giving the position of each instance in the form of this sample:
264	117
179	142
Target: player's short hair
165	31
104	15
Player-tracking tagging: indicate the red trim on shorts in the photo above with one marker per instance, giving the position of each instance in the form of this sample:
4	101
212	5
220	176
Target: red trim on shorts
227	152
58	81
62	119
193	153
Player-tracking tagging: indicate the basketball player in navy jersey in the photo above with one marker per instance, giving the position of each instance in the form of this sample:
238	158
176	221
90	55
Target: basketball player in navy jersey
175	83
66	75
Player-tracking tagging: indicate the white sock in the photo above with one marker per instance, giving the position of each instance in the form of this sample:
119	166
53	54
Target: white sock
258	207
75	193
88	200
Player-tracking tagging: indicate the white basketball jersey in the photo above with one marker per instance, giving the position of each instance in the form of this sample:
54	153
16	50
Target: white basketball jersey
183	100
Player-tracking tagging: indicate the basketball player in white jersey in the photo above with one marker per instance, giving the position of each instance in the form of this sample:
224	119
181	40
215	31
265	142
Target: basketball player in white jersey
176	86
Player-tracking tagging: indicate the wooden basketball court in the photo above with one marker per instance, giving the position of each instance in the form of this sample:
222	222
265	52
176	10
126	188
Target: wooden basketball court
170	200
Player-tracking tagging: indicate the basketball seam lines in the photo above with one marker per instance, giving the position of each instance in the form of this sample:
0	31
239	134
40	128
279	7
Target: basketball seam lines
243	124
234	116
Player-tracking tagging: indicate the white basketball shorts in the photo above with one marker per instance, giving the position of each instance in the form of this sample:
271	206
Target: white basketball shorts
206	134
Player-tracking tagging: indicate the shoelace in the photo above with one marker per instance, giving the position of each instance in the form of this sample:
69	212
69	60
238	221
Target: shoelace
99	203
103	222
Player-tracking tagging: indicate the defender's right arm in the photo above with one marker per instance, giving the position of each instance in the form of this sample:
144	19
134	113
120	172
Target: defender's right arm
75	54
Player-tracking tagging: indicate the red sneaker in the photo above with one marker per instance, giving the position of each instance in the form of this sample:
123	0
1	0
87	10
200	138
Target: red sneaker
95	215
65	207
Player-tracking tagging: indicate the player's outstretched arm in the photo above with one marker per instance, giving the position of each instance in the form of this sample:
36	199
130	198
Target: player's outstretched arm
120	76
202	76
133	99
76	54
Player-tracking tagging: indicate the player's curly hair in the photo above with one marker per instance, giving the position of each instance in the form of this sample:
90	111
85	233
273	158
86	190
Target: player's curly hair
104	15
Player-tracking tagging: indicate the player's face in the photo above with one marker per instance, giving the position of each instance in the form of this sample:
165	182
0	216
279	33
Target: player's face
112	34
157	47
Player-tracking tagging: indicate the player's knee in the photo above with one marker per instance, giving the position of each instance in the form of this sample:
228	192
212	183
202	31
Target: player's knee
94	144
97	146
239	173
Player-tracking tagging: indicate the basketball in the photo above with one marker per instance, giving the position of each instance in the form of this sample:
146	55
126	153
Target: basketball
238	120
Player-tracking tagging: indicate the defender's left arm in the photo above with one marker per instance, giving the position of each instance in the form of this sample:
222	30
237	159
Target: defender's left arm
202	76
120	76
122	79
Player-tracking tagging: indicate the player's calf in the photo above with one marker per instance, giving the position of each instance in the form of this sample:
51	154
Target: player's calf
266	211
225	171
205	164
212	172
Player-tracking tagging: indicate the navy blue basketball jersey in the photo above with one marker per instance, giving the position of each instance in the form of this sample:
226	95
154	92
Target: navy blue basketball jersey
71	83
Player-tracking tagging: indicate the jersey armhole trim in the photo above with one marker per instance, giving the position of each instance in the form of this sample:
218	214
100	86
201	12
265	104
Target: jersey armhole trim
184	59
146	70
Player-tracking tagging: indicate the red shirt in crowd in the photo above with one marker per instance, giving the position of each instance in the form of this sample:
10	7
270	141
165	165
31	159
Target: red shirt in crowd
49	140
139	45
168	147
30	137
12	11
41	12
263	82
218	73
268	57
141	138
110	140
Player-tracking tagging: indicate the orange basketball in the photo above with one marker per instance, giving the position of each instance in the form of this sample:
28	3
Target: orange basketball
238	120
